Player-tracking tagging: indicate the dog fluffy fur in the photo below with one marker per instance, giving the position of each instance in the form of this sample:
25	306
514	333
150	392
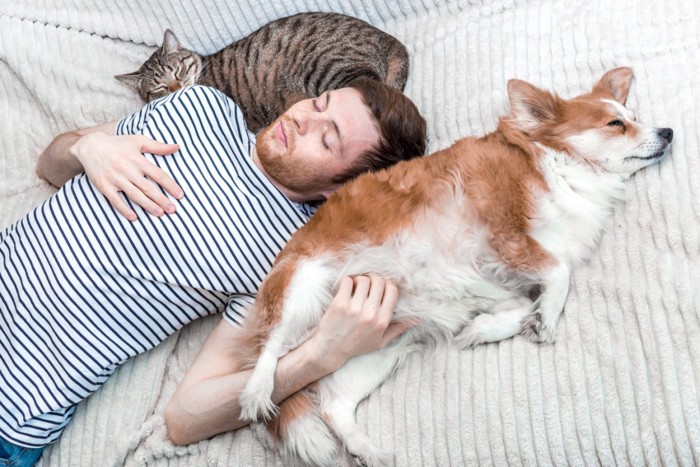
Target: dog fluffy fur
480	237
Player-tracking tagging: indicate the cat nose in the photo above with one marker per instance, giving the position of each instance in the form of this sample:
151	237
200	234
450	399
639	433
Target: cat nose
174	86
666	133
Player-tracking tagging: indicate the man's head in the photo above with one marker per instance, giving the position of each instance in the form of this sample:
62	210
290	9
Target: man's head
320	143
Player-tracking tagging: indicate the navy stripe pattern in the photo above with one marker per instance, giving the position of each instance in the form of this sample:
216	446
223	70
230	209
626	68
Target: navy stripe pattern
82	289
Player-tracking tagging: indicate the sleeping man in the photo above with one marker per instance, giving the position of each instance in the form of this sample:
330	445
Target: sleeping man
134	246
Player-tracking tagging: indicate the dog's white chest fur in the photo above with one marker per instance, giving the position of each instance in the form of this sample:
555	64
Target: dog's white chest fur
571	216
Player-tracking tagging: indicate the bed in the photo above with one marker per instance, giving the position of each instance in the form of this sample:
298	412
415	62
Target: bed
620	385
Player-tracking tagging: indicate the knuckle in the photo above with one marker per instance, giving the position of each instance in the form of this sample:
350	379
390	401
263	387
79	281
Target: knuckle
366	319
130	191
336	307
149	190
159	176
376	281
113	197
118	165
362	280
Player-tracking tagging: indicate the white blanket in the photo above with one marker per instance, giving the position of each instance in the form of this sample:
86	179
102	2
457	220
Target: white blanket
620	386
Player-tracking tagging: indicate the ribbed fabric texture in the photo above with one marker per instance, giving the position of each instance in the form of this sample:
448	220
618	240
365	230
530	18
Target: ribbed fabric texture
620	386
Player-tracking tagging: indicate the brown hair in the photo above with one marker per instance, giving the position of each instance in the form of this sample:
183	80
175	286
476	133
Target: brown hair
401	128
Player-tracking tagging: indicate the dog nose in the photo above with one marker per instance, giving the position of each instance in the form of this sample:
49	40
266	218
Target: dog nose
666	133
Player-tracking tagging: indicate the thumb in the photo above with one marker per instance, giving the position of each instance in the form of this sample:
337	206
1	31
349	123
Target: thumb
397	328
156	147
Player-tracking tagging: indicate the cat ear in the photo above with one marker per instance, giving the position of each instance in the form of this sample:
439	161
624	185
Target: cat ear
170	42
530	106
616	83
131	79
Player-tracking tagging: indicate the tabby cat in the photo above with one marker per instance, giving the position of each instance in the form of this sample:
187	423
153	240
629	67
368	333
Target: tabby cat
281	63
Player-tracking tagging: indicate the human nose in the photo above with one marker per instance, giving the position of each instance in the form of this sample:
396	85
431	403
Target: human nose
307	121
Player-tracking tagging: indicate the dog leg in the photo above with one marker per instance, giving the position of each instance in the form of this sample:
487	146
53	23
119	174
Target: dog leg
540	325
503	322
343	390
305	435
309	294
256	398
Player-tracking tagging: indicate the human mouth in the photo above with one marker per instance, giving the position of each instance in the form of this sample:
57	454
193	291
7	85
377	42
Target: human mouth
281	135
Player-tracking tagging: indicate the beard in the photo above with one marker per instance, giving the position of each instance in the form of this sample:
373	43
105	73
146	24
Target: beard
286	166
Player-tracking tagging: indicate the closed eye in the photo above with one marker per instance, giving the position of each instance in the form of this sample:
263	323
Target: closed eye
616	123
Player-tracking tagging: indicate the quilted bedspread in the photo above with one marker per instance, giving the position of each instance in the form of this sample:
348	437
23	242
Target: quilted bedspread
620	385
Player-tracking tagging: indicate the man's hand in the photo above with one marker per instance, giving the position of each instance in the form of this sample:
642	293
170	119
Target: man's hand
115	163
358	320
207	400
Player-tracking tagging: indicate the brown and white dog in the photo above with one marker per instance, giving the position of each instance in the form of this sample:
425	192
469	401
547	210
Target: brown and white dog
467	234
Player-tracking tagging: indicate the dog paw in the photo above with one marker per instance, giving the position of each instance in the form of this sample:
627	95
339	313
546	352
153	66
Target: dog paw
537	330
468	338
373	457
257	404
472	335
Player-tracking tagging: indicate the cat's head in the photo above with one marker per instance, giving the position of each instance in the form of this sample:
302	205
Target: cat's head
170	68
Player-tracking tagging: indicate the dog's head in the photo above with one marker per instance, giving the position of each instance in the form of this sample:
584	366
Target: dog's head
596	127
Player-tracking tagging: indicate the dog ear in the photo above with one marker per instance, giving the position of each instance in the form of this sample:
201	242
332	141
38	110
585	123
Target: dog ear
615	83
530	106
131	79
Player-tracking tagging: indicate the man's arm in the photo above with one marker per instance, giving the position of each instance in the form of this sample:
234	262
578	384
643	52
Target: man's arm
207	400
114	164
59	163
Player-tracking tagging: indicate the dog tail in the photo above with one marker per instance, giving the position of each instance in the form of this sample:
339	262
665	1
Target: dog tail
302	431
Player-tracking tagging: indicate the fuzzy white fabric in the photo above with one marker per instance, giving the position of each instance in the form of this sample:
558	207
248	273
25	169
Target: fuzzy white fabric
620	386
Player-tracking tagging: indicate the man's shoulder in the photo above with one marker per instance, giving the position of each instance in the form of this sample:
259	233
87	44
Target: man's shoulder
198	95
204	104
208	91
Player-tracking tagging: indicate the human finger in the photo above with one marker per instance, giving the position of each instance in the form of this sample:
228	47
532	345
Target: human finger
384	307
137	196
376	292
360	291
162	178
389	299
344	289
156	147
151	191
120	205
397	328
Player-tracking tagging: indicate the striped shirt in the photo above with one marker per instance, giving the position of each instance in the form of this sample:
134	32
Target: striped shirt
82	289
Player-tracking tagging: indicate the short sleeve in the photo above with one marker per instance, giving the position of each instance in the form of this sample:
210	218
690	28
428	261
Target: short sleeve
237	308
133	124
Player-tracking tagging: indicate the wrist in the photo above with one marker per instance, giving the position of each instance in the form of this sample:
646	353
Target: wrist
323	356
78	149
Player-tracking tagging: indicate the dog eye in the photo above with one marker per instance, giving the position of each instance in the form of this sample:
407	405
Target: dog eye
616	123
